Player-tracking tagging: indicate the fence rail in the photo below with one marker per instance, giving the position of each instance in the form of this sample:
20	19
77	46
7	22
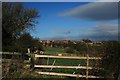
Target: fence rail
67	57
50	66
68	75
87	67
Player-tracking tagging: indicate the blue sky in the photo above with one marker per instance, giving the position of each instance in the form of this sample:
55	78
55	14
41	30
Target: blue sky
74	20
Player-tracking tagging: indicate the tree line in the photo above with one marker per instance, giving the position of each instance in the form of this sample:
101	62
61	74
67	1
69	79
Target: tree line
17	20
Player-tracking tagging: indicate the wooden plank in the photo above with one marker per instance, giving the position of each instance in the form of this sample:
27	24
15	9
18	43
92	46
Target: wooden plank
67	57
68	75
50	66
10	53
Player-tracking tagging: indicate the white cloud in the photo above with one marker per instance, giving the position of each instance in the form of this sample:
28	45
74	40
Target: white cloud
108	28
107	0
96	11
106	31
103	32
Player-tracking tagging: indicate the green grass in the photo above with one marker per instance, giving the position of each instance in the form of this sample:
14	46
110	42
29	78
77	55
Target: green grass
63	62
53	49
67	62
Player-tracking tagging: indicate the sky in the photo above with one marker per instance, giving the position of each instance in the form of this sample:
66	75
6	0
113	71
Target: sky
59	0
75	20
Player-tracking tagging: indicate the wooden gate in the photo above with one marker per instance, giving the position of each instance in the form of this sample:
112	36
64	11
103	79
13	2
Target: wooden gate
87	67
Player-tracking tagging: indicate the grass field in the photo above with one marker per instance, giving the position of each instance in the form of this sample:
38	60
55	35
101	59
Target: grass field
53	49
66	62
70	62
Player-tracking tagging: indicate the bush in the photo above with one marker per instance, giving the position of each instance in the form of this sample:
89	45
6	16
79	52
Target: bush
69	50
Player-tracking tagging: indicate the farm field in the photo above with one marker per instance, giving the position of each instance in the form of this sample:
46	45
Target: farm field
54	49
66	62
60	62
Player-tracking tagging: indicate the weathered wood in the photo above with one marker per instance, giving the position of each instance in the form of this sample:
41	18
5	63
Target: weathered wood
50	66
68	57
87	65
53	64
68	75
77	67
48	61
28	50
10	53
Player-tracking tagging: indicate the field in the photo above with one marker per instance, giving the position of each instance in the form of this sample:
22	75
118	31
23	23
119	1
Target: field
62	62
69	62
53	49
66	62
58	62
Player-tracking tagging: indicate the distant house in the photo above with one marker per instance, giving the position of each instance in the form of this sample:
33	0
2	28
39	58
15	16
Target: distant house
91	43
98	43
74	41
65	41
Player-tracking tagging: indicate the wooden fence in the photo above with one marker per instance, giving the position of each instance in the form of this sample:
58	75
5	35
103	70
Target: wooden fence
87	67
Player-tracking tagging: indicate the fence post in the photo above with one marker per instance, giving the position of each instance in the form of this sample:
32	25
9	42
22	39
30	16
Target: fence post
87	67
28	50
29	53
48	60
32	60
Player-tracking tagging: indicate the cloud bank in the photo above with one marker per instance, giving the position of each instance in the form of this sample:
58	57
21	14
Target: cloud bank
100	12
103	32
98	32
96	11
